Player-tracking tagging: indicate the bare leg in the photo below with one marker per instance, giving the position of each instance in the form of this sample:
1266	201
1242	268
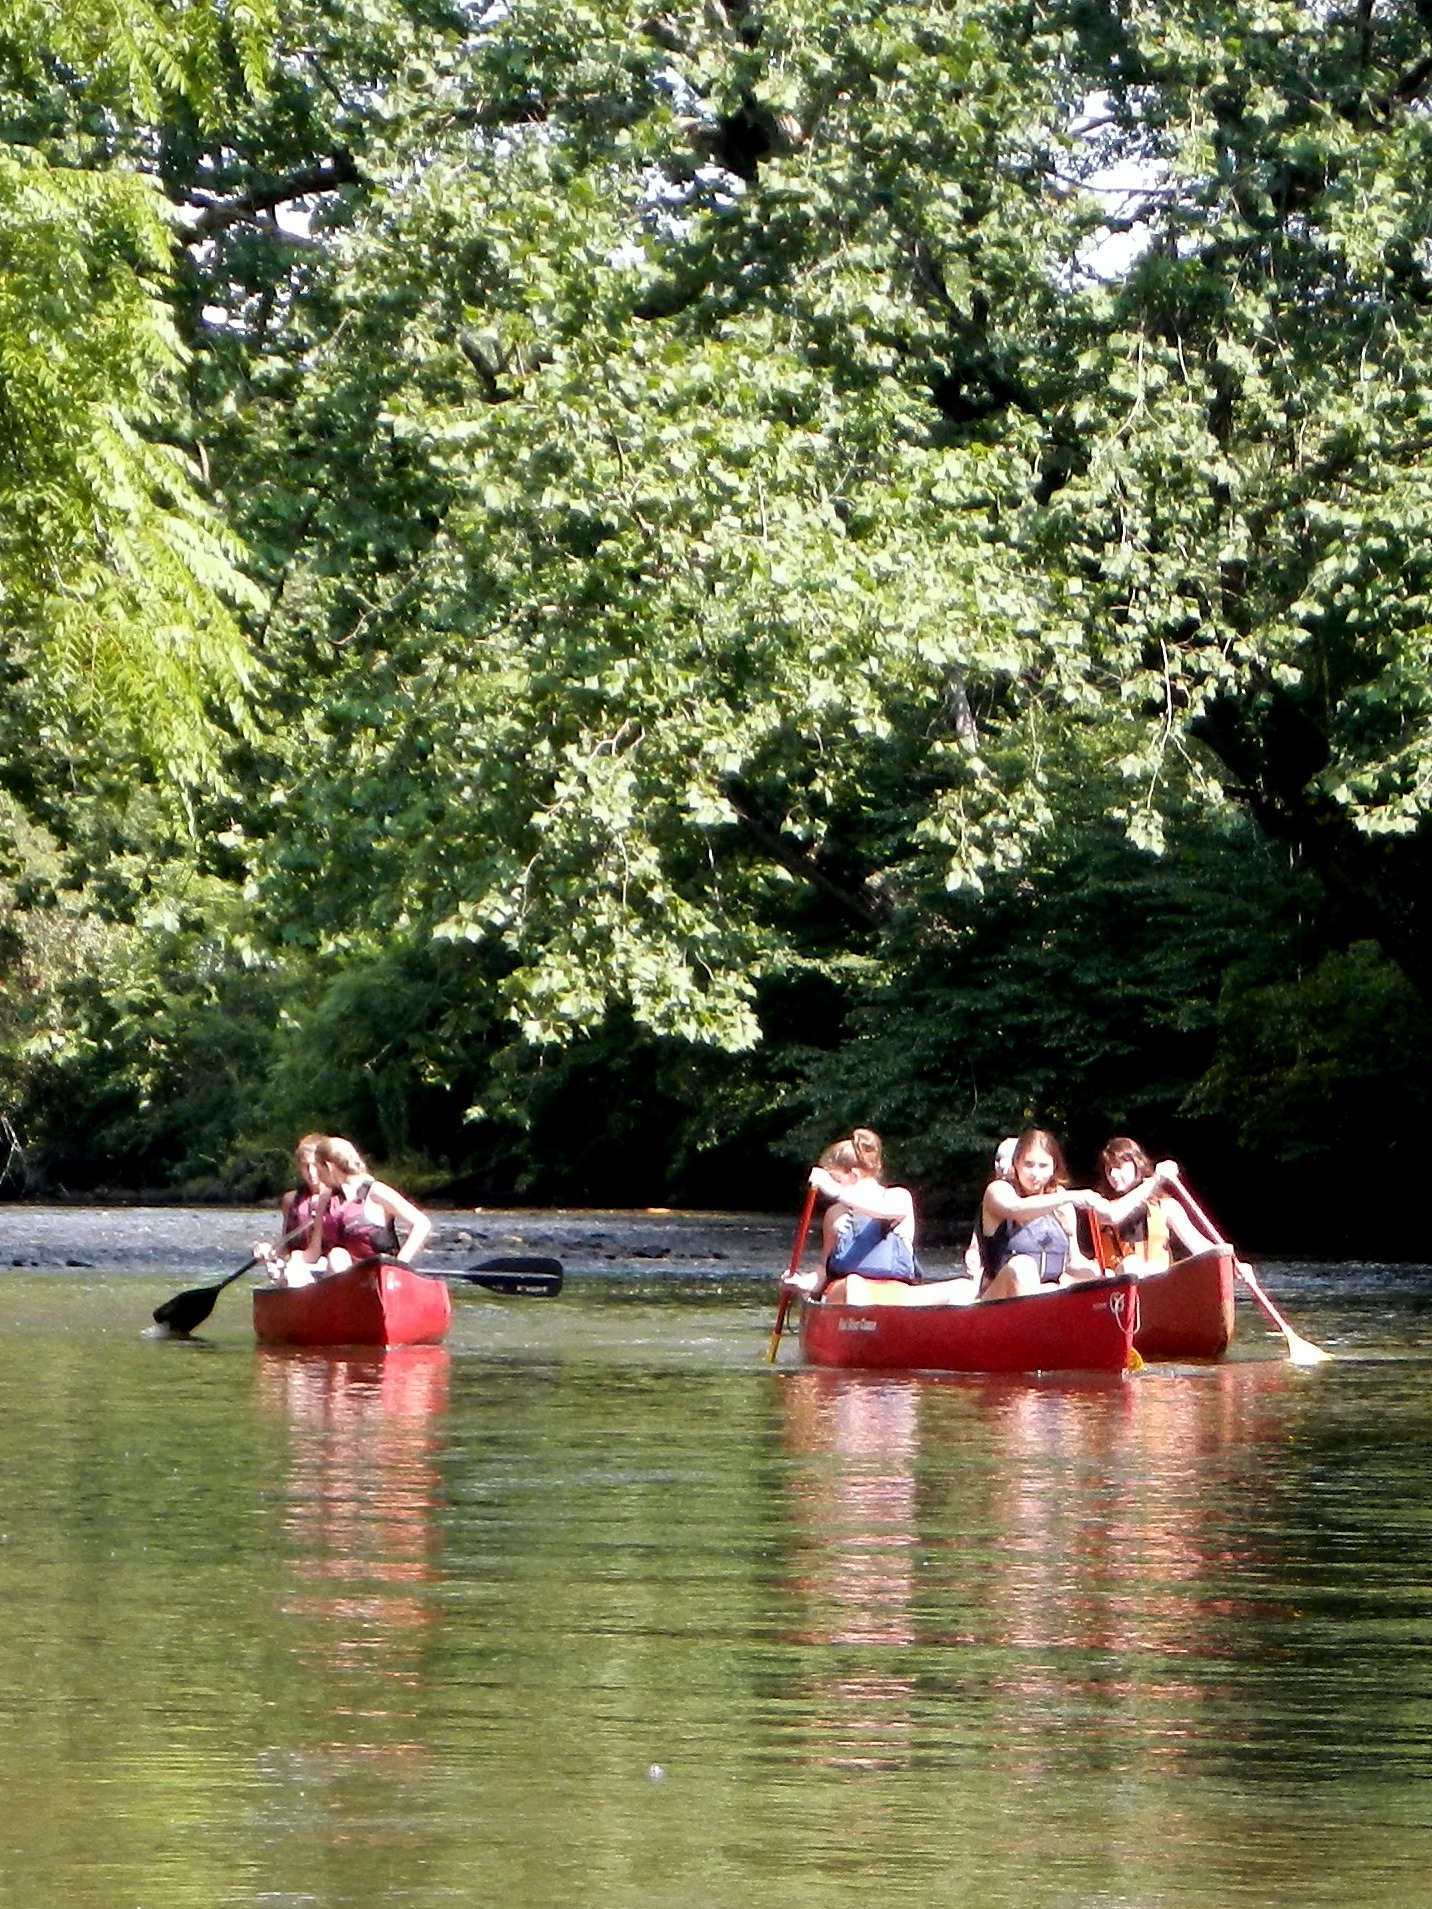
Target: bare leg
1017	1278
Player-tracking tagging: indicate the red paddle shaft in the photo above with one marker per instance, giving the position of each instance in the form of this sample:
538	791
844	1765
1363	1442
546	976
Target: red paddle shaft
774	1347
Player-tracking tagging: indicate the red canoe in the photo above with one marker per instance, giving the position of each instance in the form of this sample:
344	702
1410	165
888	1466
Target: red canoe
1084	1328
1187	1312
378	1302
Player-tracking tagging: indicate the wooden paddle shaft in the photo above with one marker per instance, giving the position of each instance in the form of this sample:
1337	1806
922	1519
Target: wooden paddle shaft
1303	1351
796	1251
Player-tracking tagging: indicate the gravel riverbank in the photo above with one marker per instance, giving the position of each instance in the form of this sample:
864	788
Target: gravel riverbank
205	1240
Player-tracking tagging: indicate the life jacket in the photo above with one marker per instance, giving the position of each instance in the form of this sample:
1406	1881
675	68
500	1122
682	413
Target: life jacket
1142	1237
872	1247
346	1224
1042	1238
300	1210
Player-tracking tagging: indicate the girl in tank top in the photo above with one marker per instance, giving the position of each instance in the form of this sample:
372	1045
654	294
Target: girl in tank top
1026	1223
1141	1225
356	1216
869	1227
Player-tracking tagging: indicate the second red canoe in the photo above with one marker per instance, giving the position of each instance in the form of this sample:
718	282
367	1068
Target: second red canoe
1187	1311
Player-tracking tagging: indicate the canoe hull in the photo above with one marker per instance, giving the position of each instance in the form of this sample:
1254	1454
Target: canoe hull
1083	1328
1187	1312
379	1302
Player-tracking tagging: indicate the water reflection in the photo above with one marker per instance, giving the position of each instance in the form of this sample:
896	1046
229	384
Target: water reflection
361	1552
857	1521
1056	1559
953	1642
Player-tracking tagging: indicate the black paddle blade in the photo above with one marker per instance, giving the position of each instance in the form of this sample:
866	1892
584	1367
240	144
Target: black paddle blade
519	1263
186	1310
519	1278
189	1309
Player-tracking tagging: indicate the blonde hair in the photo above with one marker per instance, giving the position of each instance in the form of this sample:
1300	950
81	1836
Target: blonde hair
336	1152
863	1152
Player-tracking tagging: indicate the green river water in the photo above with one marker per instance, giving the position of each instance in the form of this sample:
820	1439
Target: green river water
590	1606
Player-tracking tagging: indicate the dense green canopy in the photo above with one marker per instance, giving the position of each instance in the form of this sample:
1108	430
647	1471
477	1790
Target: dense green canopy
872	555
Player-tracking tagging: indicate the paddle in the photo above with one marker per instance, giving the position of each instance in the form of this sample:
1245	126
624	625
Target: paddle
774	1347
518	1278
1106	1246
191	1308
1300	1350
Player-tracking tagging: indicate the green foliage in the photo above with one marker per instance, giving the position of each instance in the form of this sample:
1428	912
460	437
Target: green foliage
118	580
1246	505
130	1037
130	61
740	568
1321	1071
640	588
712	466
1323	1067
1082	995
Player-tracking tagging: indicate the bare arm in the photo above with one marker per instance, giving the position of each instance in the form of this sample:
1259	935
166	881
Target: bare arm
270	1249
1115	1212
1181	1224
866	1196
1001	1202
417	1222
1182	1228
1078	1261
312	1247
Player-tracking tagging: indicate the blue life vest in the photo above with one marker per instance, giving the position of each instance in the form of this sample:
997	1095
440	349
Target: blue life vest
1042	1239
874	1248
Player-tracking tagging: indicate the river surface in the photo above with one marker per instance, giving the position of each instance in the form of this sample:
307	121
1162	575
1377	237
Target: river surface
591	1606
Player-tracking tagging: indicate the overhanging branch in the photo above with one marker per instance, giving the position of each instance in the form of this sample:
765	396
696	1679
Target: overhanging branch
868	906
326	176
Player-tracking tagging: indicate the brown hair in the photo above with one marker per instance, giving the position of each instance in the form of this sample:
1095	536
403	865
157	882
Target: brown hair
862	1153
1119	1149
1031	1138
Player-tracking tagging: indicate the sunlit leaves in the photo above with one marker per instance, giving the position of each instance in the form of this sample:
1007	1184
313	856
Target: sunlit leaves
116	581
660	325
119	582
687	407
139	57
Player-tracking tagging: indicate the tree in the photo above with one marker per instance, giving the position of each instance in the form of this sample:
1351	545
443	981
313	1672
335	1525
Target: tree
1247	505
637	564
118	580
721	517
712	463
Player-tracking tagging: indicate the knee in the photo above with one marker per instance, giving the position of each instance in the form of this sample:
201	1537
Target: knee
1023	1274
